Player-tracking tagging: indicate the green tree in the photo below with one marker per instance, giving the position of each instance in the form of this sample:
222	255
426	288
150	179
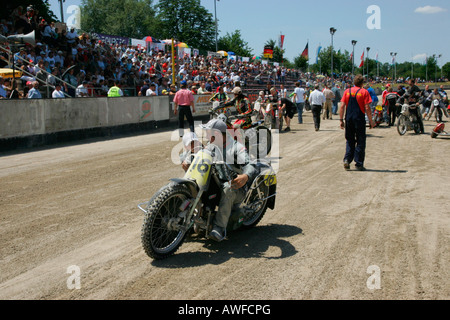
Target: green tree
234	42
301	63
446	70
187	21
127	18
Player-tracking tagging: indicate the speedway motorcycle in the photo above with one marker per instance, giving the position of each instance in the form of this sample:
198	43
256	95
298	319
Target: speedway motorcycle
256	137
378	116
188	205
408	121
439	109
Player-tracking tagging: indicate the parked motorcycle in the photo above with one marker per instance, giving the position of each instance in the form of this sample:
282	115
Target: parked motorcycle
408	121
188	205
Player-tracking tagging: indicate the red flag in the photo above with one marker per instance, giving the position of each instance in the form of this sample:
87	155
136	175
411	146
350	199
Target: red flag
281	41
351	56
362	60
306	51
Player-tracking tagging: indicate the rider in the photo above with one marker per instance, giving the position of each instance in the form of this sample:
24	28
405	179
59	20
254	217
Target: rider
437	95
243	107
392	98
233	192
413	98
221	97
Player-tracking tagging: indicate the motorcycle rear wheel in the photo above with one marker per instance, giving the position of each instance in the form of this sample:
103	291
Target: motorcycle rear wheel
261	192
401	125
159	238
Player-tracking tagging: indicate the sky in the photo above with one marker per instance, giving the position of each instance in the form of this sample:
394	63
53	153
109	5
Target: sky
413	29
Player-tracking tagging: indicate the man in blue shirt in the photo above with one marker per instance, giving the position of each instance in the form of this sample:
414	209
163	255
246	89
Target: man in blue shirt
34	92
374	97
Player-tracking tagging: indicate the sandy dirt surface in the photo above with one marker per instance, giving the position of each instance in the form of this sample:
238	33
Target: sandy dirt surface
330	236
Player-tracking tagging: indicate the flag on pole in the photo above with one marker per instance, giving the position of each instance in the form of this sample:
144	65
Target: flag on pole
376	58
281	41
351	56
305	52
362	61
318	51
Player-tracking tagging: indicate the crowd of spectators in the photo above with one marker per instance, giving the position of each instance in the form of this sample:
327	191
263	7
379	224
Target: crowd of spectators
90	67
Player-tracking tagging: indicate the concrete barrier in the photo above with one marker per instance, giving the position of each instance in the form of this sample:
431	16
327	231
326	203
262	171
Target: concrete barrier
37	122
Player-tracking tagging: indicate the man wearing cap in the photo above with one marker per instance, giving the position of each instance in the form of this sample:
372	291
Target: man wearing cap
227	149
183	102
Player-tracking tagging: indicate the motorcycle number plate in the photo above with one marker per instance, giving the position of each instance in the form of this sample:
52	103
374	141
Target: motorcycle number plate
270	180
200	169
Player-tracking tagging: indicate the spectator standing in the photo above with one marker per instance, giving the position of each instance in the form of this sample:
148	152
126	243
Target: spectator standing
183	102
356	105
82	90
34	92
72	81
329	96
337	98
299	100
2	89
374	97
152	90
316	99
57	93
115	91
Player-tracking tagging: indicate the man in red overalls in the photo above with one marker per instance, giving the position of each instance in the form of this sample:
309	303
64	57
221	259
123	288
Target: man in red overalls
356	102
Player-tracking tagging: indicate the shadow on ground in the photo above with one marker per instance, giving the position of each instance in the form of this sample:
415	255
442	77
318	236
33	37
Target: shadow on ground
242	244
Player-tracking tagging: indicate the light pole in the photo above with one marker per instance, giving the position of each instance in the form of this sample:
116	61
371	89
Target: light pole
332	32
354	42
62	11
368	49
435	69
215	15
393	55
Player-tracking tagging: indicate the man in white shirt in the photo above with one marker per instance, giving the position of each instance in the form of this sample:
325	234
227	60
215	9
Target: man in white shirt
81	91
152	90
57	93
299	100
71	35
316	99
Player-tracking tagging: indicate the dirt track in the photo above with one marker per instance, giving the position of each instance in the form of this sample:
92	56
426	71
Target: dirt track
76	205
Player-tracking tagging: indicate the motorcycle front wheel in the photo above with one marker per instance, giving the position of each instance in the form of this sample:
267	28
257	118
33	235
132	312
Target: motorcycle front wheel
162	232
401	125
259	198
